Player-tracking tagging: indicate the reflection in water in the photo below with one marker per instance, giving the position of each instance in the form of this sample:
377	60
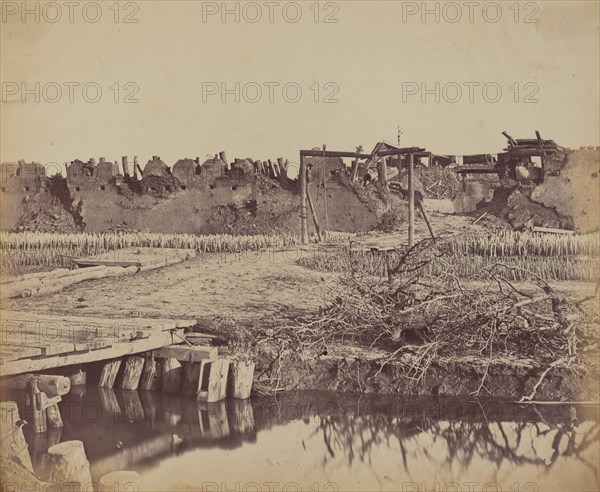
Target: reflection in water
326	441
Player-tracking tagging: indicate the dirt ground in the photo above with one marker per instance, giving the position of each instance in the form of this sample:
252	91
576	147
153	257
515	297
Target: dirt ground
250	286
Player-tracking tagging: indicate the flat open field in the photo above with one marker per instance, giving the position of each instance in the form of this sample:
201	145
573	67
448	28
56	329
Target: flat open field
251	285
240	286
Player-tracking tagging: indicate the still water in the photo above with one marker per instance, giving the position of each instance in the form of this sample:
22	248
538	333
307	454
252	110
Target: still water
327	441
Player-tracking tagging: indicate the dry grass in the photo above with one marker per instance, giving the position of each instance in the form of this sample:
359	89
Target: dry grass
57	250
523	256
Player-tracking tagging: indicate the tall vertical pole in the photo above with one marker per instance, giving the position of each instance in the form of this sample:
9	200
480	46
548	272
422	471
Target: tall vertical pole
303	212
411	200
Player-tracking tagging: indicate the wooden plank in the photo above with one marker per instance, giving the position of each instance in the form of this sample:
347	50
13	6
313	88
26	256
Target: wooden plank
154	341
550	230
48	349
13	352
44	335
95	322
187	353
90	263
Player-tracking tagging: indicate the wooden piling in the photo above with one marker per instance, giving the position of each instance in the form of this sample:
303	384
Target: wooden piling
213	380
191	378
109	373
172	372
53	417
120	480
12	441
68	463
241	376
132	372
35	405
78	376
150	380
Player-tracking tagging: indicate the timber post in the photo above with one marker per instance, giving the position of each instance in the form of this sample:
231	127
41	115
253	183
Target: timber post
35	403
303	211
132	372
110	369
411	200
13	442
69	464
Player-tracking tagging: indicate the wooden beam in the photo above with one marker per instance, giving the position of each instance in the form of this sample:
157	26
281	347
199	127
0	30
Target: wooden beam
332	153
411	200
118	349
426	217
415	151
303	212
84	263
549	230
314	215
51	385
187	353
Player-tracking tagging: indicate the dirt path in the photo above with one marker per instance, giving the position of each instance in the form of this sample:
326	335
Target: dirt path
252	285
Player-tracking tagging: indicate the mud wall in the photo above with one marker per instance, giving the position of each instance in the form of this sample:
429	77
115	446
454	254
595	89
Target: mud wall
184	211
573	190
19	183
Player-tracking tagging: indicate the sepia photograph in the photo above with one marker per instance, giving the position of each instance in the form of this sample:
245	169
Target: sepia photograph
300	246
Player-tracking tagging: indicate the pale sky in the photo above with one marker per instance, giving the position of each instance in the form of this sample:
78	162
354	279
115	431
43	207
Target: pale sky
367	58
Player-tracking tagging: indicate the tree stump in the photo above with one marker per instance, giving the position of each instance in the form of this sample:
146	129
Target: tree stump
68	463
120	480
109	373
132	373
150	376
241	377
172	372
13	442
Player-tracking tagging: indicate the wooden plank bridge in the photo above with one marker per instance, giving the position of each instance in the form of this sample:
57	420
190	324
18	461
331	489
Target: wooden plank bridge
35	342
